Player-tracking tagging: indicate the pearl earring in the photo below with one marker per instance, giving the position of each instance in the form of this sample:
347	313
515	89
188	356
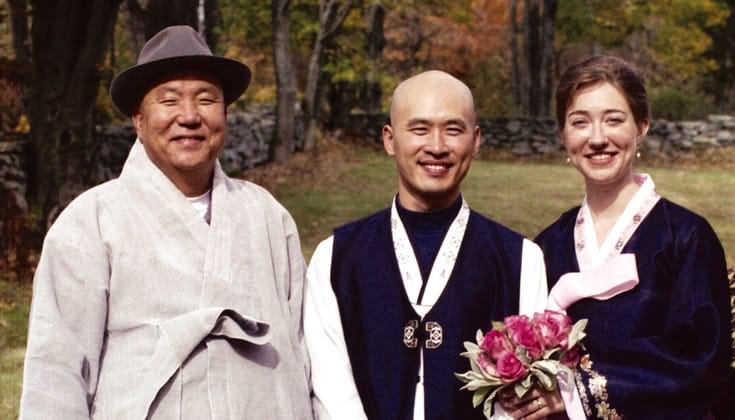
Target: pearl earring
569	160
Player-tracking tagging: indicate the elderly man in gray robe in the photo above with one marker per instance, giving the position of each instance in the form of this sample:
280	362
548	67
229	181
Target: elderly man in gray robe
174	291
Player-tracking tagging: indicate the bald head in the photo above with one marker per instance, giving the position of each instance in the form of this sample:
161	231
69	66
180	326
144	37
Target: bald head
433	136
433	86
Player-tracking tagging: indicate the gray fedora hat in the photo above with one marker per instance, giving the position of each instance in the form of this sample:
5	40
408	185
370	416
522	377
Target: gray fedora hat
173	49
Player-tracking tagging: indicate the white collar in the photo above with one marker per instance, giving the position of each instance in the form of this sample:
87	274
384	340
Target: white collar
443	264
589	255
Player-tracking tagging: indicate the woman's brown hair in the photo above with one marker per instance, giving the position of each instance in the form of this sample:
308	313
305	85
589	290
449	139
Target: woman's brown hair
603	69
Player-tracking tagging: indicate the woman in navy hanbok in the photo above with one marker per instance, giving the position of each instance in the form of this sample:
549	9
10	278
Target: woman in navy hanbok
648	274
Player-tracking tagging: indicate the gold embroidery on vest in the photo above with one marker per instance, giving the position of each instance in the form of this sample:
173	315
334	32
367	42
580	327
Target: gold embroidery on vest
409	334
435	335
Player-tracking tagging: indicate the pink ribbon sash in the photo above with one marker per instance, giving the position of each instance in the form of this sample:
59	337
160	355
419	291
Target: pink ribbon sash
616	275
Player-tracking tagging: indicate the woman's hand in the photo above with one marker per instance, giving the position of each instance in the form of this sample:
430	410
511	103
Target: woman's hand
536	404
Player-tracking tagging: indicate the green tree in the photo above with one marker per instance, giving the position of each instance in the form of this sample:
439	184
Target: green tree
332	14
667	38
721	82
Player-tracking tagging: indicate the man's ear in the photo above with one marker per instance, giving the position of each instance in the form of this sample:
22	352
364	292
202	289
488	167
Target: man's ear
389	140
137	119
477	138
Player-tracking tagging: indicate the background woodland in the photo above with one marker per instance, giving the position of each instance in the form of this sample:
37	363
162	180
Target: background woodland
323	60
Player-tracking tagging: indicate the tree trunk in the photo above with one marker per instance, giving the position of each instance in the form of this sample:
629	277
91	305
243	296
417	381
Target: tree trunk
311	93
547	57
212	21
533	56
283	133
132	15
158	14
375	42
69	38
331	16
540	19
514	57
19	28
162	13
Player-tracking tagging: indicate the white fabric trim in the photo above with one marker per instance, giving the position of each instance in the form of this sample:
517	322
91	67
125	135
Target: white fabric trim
589	255
443	263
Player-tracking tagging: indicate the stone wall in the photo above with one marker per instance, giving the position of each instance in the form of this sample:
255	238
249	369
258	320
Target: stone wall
250	133
526	137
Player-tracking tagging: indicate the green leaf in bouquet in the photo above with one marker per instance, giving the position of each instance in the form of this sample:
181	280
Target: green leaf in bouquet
498	325
475	367
545	378
522	355
552	367
577	332
467	377
553	354
490	378
522	386
479	337
479	384
471	348
487	407
479	396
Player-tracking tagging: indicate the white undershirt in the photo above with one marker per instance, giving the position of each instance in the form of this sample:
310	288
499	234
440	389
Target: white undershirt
202	204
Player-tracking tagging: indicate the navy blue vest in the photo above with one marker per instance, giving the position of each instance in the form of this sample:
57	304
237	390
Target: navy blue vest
374	309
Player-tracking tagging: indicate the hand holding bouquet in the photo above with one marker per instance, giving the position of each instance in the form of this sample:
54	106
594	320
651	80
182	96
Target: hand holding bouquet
520	352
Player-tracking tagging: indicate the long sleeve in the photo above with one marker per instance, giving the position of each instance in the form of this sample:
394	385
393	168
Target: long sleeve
335	394
532	296
67	320
534	289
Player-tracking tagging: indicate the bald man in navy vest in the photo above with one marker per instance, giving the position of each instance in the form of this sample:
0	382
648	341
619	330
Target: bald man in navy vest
390	298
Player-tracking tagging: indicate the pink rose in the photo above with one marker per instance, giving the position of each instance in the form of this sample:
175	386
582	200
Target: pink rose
510	369
516	321
483	360
496	344
571	357
521	333
553	328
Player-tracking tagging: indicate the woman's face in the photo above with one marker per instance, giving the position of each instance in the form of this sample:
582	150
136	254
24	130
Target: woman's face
601	136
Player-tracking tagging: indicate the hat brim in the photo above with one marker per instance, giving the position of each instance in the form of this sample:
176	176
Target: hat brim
129	87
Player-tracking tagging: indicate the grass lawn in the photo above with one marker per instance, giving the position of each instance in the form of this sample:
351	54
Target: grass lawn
340	185
14	303
526	196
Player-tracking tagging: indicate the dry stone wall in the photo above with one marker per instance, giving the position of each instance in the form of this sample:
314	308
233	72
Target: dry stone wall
250	133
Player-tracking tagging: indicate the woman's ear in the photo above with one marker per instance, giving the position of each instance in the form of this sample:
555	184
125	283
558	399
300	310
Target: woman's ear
642	132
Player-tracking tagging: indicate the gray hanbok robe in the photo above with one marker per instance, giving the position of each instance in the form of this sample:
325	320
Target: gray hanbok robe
143	310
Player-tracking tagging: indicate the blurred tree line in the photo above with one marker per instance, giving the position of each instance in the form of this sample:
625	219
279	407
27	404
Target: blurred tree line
324	60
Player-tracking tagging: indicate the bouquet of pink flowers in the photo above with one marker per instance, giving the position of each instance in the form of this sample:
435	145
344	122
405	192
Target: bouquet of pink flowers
520	352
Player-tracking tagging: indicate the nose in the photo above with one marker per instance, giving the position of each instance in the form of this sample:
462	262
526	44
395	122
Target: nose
189	113
598	138
436	143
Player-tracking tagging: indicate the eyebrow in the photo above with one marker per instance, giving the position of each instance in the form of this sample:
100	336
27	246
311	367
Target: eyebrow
585	113
199	91
424	121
